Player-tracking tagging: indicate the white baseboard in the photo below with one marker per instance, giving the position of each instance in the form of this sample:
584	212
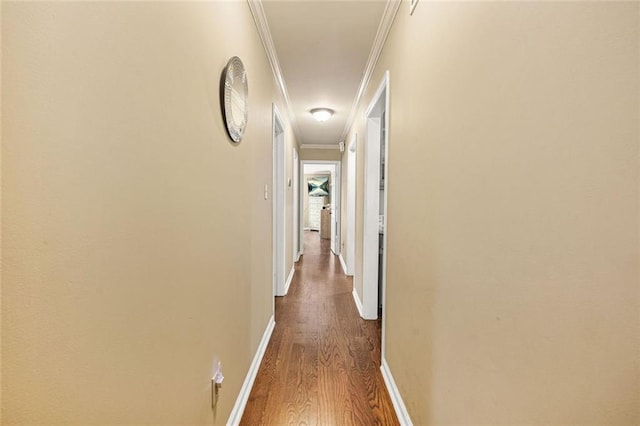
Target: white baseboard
356	299
344	265
243	397
298	256
394	393
289	279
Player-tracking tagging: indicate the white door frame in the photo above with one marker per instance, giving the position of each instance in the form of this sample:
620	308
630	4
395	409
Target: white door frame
351	205
278	202
335	209
378	108
295	208
335	197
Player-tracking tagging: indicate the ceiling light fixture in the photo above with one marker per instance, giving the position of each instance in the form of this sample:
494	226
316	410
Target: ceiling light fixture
321	114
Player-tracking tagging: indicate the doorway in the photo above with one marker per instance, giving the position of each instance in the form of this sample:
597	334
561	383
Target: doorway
324	202
296	206
375	204
350	239
278	204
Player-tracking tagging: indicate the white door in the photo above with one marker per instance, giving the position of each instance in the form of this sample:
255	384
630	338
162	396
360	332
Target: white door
278	204
351	208
332	201
335	210
296	206
373	258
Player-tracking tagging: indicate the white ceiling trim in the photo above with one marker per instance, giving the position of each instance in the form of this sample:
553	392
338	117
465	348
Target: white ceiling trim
267	41
319	146
388	17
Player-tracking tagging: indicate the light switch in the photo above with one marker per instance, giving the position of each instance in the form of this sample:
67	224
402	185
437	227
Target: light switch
216	384
218	377
266	191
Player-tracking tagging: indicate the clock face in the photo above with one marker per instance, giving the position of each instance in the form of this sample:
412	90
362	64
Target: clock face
236	98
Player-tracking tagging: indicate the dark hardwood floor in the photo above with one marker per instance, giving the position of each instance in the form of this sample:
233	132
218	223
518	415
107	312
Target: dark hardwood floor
322	365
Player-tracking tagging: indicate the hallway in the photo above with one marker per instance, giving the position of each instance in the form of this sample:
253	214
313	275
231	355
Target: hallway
322	364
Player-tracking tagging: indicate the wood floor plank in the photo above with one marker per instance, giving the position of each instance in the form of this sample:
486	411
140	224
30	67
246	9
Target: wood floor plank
322	365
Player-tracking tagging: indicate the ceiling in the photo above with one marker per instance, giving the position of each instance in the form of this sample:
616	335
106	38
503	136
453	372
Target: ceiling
321	51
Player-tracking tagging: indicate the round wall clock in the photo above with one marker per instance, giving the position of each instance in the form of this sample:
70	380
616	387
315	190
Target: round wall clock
235	98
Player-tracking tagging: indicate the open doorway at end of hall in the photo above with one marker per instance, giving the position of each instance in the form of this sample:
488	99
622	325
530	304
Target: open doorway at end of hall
320	201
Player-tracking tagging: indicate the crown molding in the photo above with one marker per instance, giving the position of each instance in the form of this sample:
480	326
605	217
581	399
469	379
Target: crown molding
388	16
260	18
319	146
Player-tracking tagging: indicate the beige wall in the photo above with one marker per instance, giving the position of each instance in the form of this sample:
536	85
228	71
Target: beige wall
320	154
134	232
513	277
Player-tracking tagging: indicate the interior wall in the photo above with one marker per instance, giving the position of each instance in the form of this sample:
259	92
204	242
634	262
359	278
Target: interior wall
320	154
124	276
513	216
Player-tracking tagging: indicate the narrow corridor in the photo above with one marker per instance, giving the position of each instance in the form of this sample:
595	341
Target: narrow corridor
321	366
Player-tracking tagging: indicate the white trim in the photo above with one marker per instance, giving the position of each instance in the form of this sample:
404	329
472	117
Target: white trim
301	195
356	299
343	264
336	210
388	16
298	256
289	279
262	25
243	396
385	243
394	393
412	6
319	146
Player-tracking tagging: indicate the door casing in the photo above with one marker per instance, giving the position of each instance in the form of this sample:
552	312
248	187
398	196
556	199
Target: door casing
376	117
351	205
278	202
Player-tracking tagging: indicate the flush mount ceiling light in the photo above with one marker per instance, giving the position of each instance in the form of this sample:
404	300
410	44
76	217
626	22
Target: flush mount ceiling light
321	114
